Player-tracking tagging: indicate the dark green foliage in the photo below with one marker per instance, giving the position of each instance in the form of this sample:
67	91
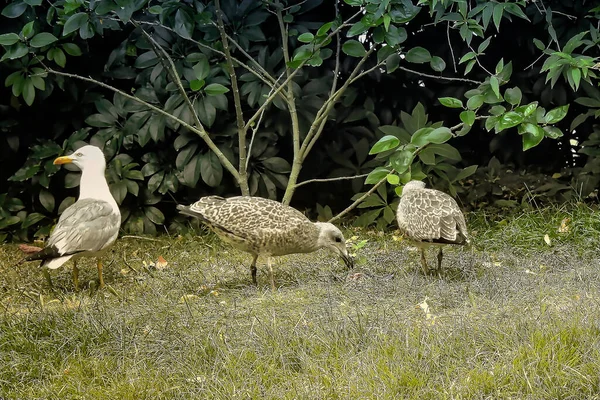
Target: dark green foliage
456	67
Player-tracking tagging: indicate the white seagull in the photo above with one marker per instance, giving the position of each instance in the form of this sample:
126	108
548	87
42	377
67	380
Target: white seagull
89	226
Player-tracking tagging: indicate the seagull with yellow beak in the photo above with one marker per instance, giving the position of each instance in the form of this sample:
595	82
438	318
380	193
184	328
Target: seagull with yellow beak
89	226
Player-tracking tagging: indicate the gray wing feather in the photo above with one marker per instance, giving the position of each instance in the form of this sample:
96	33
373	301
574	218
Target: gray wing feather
88	225
431	215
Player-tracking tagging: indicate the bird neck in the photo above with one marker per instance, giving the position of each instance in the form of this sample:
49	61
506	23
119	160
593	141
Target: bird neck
93	185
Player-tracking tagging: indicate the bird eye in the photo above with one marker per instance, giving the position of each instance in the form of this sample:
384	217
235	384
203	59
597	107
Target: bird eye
79	154
338	239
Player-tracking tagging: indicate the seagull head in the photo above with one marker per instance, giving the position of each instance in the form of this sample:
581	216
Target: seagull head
413	185
332	238
86	157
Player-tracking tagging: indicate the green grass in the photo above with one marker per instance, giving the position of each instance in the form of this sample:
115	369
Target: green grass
513	317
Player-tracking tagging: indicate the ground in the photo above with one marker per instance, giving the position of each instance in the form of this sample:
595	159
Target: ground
515	316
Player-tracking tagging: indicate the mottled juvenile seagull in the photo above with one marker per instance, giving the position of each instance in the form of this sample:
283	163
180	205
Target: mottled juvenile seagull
91	224
265	227
430	217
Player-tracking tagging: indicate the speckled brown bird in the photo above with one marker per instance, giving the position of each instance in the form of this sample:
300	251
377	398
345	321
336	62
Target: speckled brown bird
430	217
265	227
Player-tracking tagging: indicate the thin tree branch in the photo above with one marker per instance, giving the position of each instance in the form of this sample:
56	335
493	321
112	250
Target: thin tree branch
170	67
323	113
239	113
444	78
341	178
451	49
207	47
290	87
298	68
203	134
360	199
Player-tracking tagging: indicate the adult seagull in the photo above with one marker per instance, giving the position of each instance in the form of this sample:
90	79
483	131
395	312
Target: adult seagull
89	226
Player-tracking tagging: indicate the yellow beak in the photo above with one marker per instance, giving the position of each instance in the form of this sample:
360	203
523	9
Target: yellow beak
63	160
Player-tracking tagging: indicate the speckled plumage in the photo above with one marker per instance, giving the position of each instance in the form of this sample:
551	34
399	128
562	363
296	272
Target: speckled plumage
265	227
429	217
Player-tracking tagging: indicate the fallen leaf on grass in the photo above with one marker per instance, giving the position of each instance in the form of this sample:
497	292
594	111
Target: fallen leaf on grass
356	276
161	263
425	307
564	225
547	240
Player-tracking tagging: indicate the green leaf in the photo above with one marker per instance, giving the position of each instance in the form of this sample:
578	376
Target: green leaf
418	55
509	120
9	39
155	10
119	191
154	215
67	202
419	138
306	37
277	164
32	219
184	24
475	102
72	49
393	179
513	96
401	160
539	44
75	22
553	132
42	39
28	92
354	48
211	169
484	45
468	117
532	136
14	9
439	135
376	175
557	114
387	142
437	64
8	221
495	85
445	150
469	56
357	29
497	16
59	57
27	30
47	200
427	156
202	68
196	85
466	172
451	102
215	89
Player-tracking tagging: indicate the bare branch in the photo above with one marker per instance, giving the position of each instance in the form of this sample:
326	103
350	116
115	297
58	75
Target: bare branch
203	134
451	49
317	126
444	78
167	62
341	178
207	47
360	199
239	113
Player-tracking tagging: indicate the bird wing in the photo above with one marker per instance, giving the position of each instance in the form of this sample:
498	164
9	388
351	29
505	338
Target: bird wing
431	215
89	225
260	223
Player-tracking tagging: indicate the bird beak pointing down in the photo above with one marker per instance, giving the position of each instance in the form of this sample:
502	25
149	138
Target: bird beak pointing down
347	259
63	160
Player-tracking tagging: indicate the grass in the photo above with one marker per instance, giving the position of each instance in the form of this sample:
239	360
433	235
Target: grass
513	317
